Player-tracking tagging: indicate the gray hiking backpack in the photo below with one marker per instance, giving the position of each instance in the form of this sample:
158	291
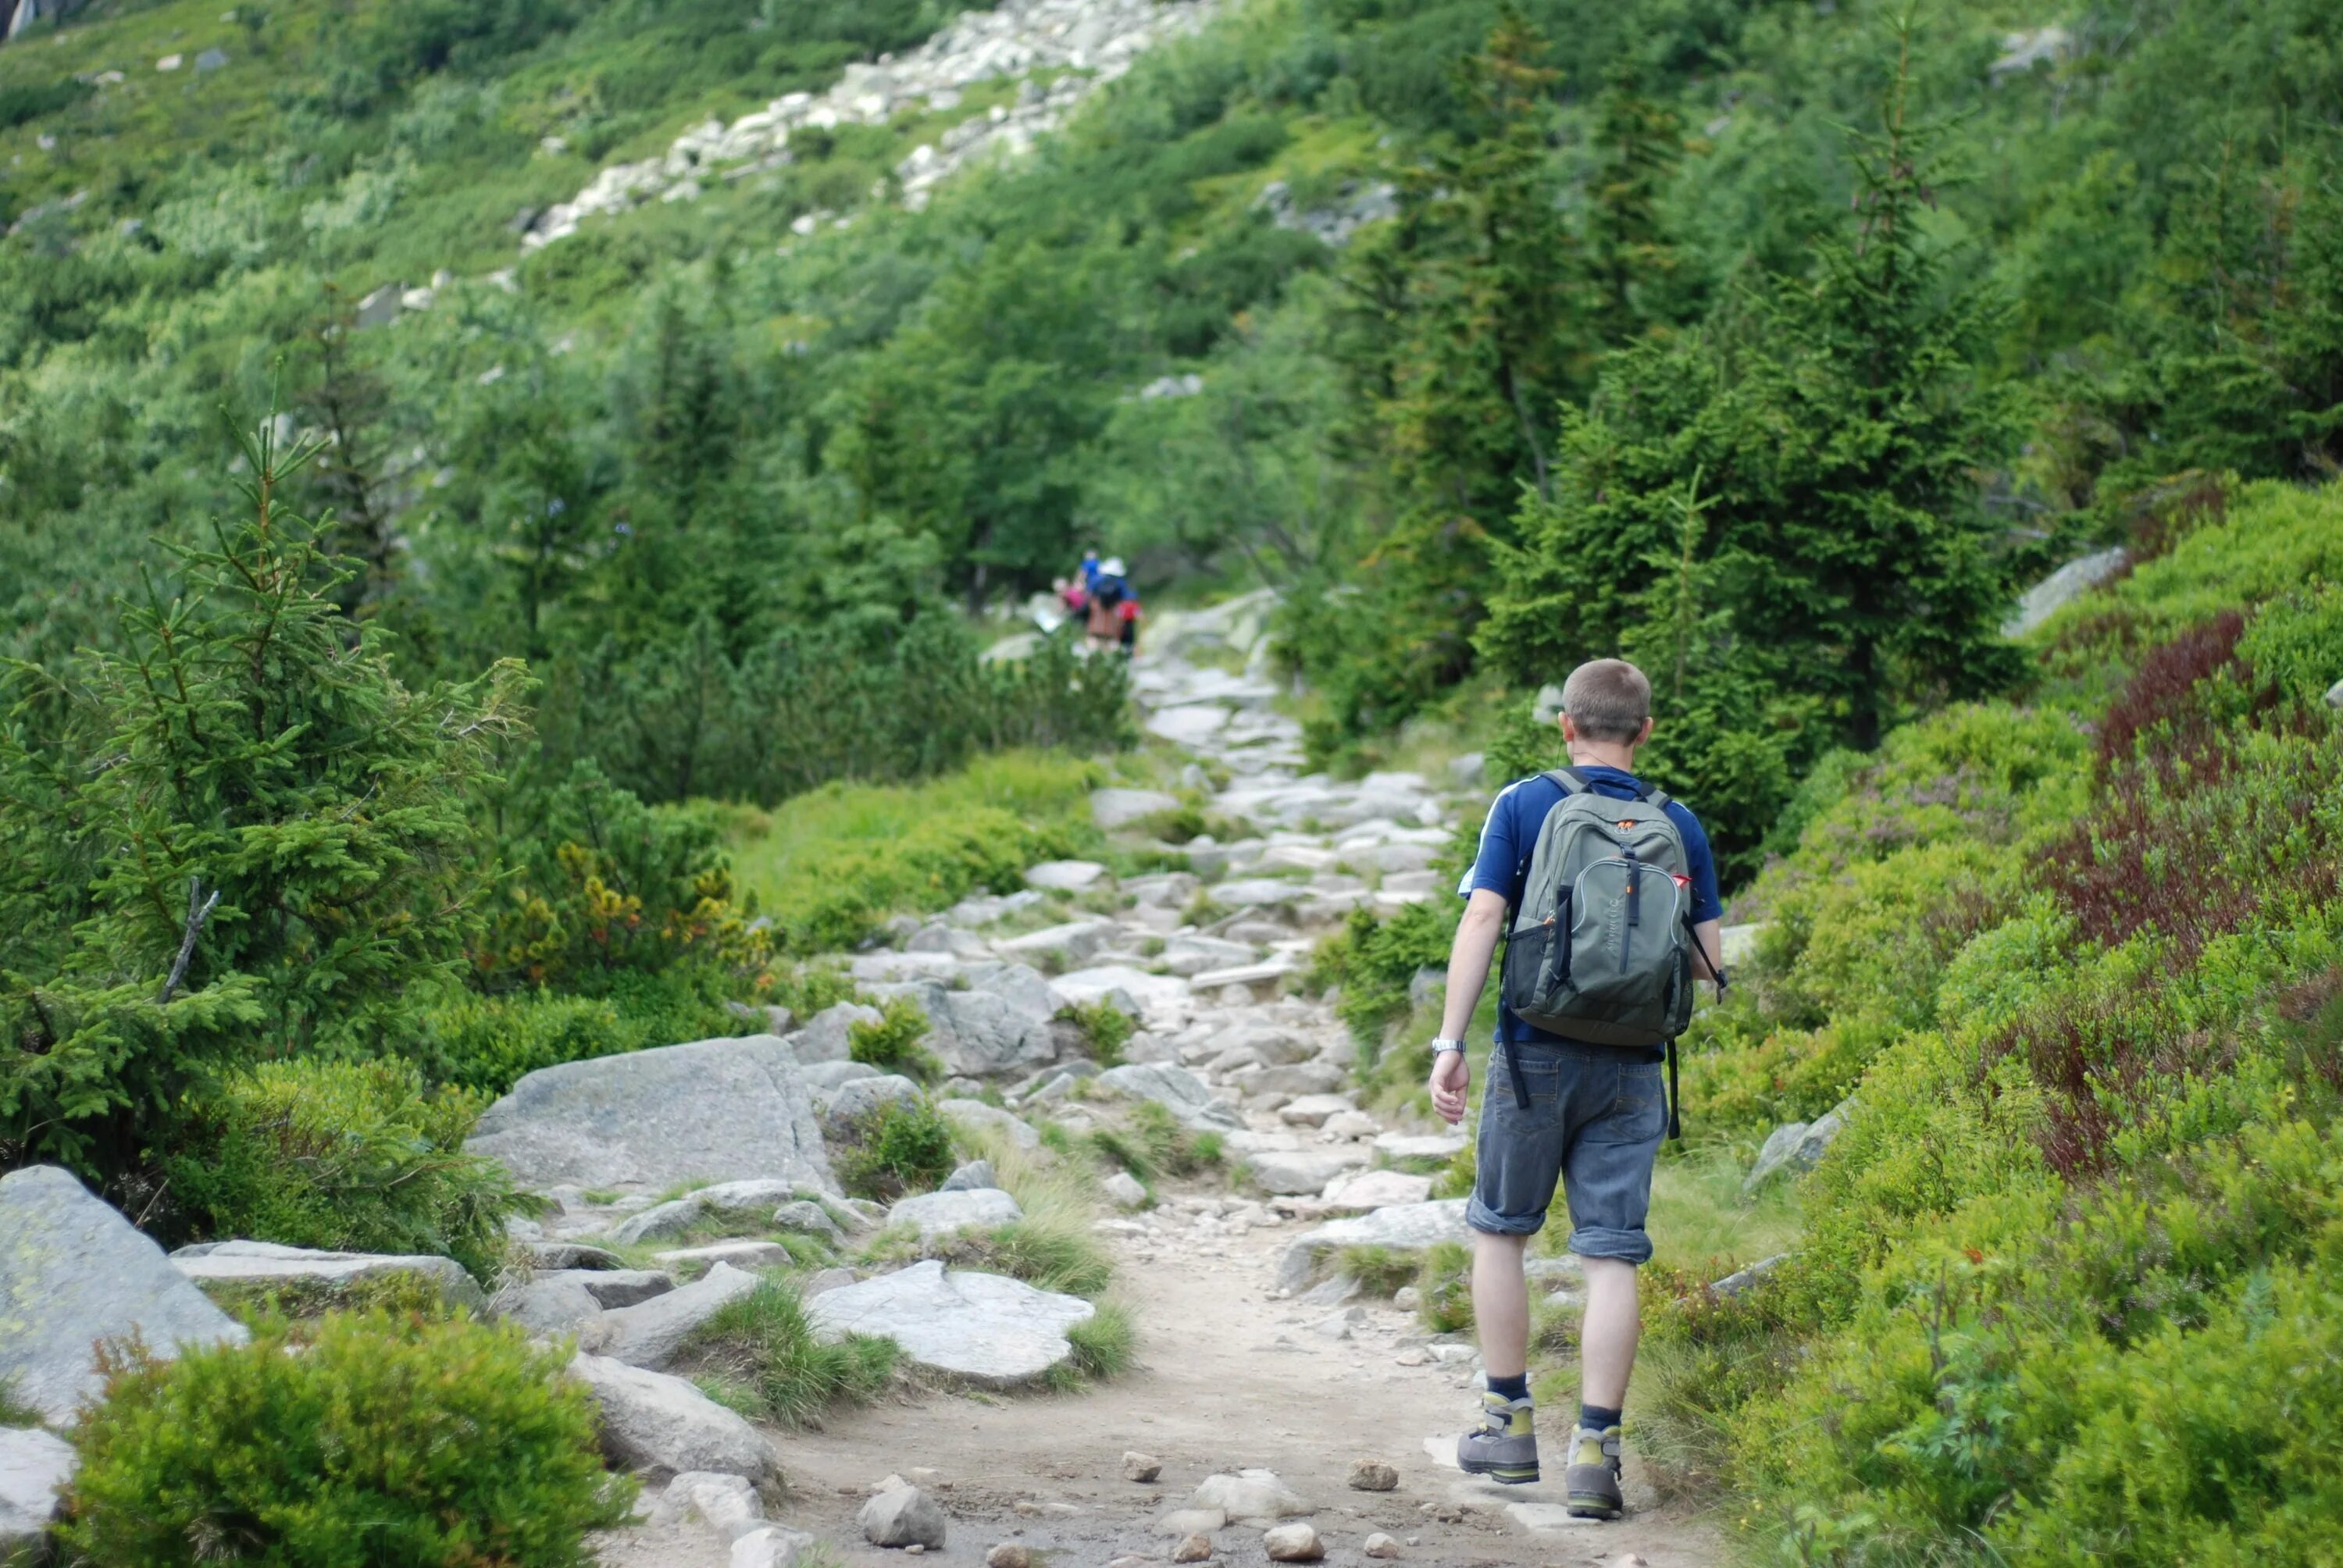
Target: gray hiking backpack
1601	948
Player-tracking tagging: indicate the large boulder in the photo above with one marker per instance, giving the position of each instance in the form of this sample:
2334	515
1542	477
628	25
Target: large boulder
827	1036
2062	587
74	1271
1400	1228
1177	1089
651	1332
967	1114
266	1263
553	1304
720	1109
1061	946
34	1465
998	1026
984	1329
966	1209
865	1095
1159	999
654	1423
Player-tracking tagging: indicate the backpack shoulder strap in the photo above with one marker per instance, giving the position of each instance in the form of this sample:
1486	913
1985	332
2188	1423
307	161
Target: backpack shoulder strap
1565	779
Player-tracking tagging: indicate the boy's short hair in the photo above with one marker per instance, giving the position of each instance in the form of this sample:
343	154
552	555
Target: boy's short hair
1608	699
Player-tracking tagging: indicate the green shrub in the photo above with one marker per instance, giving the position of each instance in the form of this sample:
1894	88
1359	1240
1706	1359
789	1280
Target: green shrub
256	1304
1053	1257
1105	1345
1105	1028
893	1149
764	1342
488	1044
1379	1270
1157	1145
1374	960
13	1411
383	1440
893	1042
350	1156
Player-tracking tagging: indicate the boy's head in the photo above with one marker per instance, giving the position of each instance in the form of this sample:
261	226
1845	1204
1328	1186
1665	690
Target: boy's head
1608	701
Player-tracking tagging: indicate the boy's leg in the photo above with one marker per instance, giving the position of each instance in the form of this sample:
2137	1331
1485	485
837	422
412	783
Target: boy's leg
1609	1182
1607	1332
1516	1169
1501	1303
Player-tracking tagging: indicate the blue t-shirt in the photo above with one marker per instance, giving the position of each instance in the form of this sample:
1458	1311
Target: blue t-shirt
1510	834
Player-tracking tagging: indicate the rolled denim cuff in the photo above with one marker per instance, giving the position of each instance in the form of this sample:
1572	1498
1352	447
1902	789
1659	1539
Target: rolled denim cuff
1627	1246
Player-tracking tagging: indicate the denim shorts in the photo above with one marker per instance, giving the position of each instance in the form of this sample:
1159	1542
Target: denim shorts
1594	1121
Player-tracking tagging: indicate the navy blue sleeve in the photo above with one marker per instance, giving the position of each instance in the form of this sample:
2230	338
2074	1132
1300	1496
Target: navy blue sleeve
1700	864
1493	867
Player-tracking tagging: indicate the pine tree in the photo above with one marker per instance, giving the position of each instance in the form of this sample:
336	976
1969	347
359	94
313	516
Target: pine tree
1633	267
253	843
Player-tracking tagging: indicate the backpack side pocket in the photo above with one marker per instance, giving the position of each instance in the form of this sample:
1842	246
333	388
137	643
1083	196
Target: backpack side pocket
1537	962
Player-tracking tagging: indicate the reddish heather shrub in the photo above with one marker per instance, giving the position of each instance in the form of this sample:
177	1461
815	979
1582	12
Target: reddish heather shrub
2097	1064
2165	691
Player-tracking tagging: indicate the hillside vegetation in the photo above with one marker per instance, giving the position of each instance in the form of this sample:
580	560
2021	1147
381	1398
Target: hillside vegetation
430	659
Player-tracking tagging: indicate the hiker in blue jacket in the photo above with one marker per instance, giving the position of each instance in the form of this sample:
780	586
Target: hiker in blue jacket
1572	1102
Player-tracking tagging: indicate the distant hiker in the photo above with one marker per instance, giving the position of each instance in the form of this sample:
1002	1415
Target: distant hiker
1611	895
1073	597
1113	609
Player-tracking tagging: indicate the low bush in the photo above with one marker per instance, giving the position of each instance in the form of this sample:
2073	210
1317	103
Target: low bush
256	1304
1105	1030
1157	1145
892	1150
1105	1345
894	1041
446	1444
488	1044
1373	959
764	1344
1444	1284
350	1156
1380	1271
1051	1257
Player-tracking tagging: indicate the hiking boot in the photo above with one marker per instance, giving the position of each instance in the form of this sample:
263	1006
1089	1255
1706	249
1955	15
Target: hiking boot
1503	1447
1592	1477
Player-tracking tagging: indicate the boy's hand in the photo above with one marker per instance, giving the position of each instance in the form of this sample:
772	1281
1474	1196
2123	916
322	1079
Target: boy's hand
1450	1077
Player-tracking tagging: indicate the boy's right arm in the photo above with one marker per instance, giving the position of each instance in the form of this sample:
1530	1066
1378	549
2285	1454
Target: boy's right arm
1468	972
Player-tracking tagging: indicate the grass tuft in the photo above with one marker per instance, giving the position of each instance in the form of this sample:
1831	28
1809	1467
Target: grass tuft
763	1345
1106	1345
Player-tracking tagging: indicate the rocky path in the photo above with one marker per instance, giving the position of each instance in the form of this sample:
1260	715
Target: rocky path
1245	1364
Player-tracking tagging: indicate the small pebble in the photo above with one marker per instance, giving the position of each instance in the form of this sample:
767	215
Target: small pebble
1138	1466
1192	1549
1381	1545
1372	1475
1009	1554
1295	1542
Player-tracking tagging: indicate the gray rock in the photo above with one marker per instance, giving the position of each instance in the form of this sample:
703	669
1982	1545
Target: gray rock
1372	1475
940	1213
615	1288
2335	695
827	1077
739	1254
1470	771
649	1333
2061	588
267	1263
1741	1279
1369	1190
1312	1110
1257	892
1781	1147
211	60
1420	1145
1331	1293
1063	946
1403	1227
1291	1172
1113	808
1124	1191
1276	1046
559	1255
1380	1546
1295	1542
728	1504
984	1329
1177	1089
1250	1497
772	1546
34	1466
998	1026
972	1113
1737	944
717	1108
803	1217
976	1173
1194	955
552	1304
827	1280
73	1272
827	1037
1299	1078
1547	705
904	1516
1065	876
654	1423
1822	1134
660	1221
865	1095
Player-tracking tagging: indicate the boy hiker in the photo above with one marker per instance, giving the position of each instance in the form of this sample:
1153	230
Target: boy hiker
1612	892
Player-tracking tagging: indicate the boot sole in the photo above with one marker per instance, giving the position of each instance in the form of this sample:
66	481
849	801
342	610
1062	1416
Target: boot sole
1585	1507
1503	1475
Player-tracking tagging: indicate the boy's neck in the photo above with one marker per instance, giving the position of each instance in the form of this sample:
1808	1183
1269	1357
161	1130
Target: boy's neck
1603	754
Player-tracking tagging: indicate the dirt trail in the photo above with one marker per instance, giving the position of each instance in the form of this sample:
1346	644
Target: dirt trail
1233	1375
1231	1379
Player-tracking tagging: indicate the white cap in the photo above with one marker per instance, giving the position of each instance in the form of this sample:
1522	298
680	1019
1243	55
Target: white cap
1112	565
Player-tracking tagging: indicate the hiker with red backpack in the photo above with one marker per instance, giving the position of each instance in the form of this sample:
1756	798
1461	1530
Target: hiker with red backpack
1604	891
1113	607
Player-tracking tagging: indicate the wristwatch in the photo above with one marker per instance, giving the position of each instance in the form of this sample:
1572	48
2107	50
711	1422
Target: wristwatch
1439	1045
